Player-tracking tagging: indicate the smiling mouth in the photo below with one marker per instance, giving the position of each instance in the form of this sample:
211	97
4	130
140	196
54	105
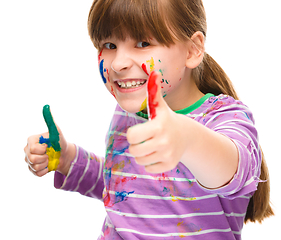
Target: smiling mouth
131	84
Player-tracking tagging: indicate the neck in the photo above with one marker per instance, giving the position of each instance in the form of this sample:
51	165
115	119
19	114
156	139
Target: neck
184	96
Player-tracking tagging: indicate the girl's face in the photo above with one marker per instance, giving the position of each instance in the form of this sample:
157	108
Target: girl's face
125	66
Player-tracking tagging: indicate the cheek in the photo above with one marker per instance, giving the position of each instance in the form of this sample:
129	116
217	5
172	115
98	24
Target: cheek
103	71
149	66
166	87
103	68
171	78
105	75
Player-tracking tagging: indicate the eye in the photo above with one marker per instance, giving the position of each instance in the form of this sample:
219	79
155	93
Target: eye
109	46
143	44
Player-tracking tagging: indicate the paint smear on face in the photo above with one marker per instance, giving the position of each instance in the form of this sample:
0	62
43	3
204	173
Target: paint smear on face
143	66
152	91
151	64
99	56
102	70
144	105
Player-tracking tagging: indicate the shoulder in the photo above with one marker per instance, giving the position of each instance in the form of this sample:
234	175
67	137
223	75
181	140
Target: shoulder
222	108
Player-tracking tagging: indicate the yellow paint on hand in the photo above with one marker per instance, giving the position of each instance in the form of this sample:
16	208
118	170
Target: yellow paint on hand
54	159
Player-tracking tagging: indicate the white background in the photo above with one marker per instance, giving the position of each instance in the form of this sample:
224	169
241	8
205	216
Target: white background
46	57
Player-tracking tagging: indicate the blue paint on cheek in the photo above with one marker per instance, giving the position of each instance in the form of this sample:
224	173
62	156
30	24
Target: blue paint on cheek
102	70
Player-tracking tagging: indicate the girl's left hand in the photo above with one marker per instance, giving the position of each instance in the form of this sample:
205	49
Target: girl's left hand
160	143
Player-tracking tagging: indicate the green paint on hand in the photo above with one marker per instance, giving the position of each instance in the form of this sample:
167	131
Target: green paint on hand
53	131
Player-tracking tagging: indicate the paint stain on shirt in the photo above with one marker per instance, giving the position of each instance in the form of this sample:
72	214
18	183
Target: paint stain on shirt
122	196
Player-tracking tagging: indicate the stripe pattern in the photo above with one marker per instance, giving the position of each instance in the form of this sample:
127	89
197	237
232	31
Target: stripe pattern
171	205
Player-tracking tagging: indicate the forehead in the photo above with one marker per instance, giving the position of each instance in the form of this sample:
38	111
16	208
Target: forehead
139	19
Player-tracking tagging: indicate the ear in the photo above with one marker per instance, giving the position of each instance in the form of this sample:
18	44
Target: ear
196	50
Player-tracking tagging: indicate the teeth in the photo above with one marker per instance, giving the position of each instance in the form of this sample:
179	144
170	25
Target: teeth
129	84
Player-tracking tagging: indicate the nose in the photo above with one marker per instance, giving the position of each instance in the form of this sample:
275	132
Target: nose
122	61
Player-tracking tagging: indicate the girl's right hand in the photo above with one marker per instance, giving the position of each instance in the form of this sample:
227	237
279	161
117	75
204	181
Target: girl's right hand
37	159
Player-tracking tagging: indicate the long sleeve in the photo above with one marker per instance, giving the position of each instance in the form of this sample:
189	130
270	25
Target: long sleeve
234	120
85	175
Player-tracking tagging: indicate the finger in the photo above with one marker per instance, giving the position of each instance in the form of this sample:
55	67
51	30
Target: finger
156	168
39	167
155	98
36	159
34	147
140	133
146	160
153	167
142	149
38	173
53	131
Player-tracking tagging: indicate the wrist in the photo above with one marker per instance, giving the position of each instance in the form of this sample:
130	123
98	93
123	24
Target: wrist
67	158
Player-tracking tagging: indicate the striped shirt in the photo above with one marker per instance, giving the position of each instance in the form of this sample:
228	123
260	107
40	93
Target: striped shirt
171	205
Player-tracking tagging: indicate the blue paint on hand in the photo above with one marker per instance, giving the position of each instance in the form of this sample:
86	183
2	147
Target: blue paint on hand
43	140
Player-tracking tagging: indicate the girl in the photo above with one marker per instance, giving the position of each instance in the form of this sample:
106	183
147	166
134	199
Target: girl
195	169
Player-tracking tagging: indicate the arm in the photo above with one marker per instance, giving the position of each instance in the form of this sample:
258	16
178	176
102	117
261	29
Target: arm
168	138
210	156
85	175
77	170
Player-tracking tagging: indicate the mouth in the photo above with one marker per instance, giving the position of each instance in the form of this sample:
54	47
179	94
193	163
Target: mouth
131	84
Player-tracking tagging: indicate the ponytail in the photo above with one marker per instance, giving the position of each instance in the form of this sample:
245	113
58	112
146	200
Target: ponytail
211	78
259	207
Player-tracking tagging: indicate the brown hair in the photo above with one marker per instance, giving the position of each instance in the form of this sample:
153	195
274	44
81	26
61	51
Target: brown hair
167	21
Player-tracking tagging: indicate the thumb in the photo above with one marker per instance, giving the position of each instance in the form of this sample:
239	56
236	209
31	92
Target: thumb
53	131
155	98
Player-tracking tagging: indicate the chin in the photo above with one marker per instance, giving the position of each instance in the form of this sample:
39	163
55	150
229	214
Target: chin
130	106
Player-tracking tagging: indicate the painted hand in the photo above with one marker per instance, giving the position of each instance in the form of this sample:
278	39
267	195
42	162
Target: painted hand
157	144
49	151
54	148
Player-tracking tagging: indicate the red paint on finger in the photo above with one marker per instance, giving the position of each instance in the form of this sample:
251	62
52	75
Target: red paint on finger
152	88
143	66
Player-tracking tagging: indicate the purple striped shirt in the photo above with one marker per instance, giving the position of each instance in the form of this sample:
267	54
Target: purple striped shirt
171	205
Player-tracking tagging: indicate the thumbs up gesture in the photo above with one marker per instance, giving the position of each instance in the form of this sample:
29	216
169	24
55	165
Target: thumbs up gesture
157	144
49	151
53	149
